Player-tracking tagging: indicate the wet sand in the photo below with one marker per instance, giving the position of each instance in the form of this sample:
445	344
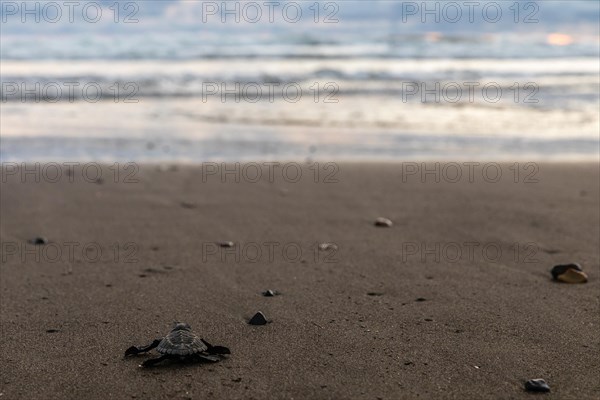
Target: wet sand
125	260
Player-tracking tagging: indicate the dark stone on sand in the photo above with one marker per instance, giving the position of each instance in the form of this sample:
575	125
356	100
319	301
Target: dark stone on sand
383	222
569	273
52	330
270	293
38	241
374	294
421	299
226	244
151	270
551	251
537	385
258	319
561	269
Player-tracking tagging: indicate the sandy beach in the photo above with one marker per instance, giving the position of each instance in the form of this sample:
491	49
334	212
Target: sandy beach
454	301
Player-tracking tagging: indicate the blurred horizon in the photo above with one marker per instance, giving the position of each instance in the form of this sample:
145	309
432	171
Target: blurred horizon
376	82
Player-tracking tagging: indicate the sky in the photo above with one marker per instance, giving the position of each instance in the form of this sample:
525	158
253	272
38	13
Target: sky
402	17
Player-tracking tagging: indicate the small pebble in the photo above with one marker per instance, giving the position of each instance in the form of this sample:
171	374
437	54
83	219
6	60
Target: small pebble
38	241
226	244
383	222
374	294
270	293
421	299
51	330
551	251
537	385
328	246
258	319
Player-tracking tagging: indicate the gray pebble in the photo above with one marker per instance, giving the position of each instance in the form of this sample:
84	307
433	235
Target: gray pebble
537	385
258	319
383	222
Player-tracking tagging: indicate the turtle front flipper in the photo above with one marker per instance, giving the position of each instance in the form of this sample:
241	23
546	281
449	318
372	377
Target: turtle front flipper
133	350
215	349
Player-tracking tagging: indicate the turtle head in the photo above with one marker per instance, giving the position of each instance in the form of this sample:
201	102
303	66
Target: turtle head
181	326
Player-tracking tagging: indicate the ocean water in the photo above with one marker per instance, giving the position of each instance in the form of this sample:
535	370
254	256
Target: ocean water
291	94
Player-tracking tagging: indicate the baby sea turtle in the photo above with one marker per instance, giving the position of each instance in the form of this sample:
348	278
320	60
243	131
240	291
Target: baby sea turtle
180	344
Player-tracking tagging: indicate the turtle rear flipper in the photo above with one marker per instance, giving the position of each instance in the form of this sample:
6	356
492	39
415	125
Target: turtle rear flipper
202	358
152	361
133	350
215	349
